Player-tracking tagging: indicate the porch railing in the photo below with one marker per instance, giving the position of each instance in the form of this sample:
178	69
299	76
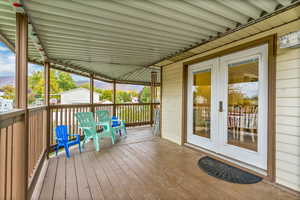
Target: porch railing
13	124
12	149
136	114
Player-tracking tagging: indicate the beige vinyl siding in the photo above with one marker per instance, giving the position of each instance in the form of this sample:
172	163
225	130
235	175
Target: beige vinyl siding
287	104
288	118
171	106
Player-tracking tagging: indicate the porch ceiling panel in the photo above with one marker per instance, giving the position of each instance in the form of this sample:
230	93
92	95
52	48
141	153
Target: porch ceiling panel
123	40
8	31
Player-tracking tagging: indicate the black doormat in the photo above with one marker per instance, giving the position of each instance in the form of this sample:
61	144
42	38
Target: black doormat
226	172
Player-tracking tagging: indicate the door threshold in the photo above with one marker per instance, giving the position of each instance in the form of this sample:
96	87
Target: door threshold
235	163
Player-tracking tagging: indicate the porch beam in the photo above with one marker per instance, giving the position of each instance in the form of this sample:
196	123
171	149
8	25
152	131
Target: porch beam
20	140
92	92
153	94
47	103
114	97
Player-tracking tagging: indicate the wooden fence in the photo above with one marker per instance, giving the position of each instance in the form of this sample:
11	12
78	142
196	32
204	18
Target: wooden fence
11	124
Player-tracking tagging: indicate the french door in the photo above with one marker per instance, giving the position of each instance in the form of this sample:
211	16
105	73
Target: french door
227	106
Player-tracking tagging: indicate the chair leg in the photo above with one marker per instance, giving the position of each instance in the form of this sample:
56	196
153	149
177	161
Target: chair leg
113	136
67	150
79	147
56	149
96	142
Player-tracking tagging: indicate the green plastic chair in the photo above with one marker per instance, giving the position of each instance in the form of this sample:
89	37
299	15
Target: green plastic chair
88	125
105	120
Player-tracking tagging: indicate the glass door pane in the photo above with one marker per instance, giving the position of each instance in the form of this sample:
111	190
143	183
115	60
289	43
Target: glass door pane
202	103
243	92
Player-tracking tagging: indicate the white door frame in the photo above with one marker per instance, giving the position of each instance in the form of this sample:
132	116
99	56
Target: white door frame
191	138
259	158
218	141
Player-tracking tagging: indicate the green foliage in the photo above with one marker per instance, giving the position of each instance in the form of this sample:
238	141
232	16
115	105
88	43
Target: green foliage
145	95
65	81
106	95
85	85
123	97
9	91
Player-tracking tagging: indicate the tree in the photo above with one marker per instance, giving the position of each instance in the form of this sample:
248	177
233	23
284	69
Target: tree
85	85
9	91
145	95
65	81
36	83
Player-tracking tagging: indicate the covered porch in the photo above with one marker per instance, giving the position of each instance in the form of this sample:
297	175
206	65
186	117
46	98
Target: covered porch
141	166
161	45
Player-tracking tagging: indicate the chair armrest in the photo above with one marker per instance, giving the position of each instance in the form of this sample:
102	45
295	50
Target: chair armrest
84	127
75	135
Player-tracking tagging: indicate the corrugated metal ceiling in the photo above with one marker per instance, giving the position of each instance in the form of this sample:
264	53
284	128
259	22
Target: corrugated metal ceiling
122	39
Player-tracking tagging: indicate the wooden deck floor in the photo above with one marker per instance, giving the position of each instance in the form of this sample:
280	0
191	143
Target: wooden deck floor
143	167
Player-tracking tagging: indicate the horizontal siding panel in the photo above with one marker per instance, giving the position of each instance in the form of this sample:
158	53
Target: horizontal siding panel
287	54
287	129
289	167
288	148
292	178
287	120
288	83
288	92
288	64
291	102
288	111
288	74
286	157
287	183
288	139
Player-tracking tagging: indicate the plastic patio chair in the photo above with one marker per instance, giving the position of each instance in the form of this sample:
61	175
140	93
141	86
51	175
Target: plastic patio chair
89	126
119	125
110	124
62	139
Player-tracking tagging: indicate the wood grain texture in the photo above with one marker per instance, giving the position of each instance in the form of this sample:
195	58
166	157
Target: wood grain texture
145	167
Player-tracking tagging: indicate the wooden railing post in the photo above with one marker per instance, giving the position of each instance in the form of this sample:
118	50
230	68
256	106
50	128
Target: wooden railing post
20	139
153	94
47	103
92	93
114	98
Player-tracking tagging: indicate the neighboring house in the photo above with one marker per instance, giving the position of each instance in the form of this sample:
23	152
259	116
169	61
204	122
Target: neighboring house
134	100
106	102
78	95
5	104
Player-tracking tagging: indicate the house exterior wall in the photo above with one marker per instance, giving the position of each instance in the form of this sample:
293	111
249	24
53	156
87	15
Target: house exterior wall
78	95
287	104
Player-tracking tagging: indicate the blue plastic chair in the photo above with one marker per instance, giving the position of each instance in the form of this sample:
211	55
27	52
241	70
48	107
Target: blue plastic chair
118	125
63	141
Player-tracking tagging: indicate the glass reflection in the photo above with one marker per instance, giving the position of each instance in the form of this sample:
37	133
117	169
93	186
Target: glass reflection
201	103
243	104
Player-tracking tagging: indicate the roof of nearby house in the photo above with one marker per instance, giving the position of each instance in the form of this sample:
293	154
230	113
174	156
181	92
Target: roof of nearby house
127	40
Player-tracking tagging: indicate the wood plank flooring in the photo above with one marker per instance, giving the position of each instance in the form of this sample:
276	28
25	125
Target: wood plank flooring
143	167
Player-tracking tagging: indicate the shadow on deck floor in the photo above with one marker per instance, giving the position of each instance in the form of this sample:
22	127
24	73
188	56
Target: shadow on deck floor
142	166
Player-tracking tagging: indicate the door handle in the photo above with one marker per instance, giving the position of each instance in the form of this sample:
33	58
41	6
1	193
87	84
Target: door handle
220	106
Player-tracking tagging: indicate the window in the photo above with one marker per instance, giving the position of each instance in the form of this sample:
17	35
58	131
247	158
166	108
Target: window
127	93
103	92
36	85
7	78
67	88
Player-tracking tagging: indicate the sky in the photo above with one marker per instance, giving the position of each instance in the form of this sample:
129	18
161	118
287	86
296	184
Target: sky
7	62
7	68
